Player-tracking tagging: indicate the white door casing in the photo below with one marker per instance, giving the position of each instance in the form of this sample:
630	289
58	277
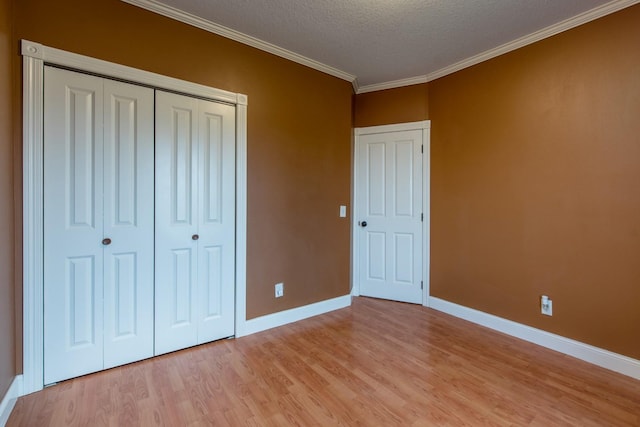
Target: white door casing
195	232
390	230
34	58
98	185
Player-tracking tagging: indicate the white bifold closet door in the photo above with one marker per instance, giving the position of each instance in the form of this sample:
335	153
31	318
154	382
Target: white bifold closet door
195	221
98	224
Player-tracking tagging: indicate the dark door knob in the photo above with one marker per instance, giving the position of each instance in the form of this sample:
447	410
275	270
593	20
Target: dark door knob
195	237
106	241
363	224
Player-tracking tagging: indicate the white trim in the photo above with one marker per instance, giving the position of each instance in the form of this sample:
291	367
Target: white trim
352	217
425	126
355	247
399	127
34	58
356	85
9	399
281	318
392	84
426	209
567	24
241	218
212	27
32	205
55	56
597	356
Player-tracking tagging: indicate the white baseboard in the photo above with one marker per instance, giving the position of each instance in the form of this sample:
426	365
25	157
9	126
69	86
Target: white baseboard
293	315
597	356
9	399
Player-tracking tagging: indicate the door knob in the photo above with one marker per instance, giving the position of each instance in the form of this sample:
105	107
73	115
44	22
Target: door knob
195	237
106	241
363	224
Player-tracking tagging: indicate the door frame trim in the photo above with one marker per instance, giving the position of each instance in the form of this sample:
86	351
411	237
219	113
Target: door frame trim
425	127
35	56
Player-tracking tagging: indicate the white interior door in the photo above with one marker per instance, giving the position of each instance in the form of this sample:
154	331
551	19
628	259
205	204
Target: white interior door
389	219
98	234
195	221
73	225
176	221
216	221
128	223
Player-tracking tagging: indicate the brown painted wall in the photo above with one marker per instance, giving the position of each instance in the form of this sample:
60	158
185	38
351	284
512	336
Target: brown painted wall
7	312
299	135
398	105
536	184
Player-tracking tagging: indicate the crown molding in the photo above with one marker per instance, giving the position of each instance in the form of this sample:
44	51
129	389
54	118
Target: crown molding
392	84
203	24
567	24
356	85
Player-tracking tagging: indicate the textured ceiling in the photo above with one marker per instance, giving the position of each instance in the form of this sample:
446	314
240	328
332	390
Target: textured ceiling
380	41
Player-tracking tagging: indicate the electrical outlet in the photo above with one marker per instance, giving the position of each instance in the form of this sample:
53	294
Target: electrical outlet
279	290
546	305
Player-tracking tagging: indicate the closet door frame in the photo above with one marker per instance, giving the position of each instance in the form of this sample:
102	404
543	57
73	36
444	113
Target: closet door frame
35	56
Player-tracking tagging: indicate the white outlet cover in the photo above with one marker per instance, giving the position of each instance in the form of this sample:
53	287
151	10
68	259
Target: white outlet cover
279	290
548	311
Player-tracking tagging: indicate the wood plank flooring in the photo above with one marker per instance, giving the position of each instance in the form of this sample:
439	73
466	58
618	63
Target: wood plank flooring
377	363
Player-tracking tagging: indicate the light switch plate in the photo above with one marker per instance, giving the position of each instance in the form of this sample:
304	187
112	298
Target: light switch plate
343	211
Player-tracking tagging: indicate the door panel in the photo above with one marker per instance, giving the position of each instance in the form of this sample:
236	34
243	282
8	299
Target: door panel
176	163
125	289
376	255
73	284
81	146
195	187
389	191
81	302
403	253
216	265
184	153
181	313
376	179
212	294
212	171
403	182
98	161
128	222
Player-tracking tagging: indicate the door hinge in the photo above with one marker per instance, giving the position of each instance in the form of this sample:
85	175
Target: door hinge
422	217
421	284
422	148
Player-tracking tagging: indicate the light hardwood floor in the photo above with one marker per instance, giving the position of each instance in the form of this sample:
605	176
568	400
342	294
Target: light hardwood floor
377	363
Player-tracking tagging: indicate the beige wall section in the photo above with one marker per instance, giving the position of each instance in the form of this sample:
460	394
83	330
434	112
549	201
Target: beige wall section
399	105
536	184
7	312
299	134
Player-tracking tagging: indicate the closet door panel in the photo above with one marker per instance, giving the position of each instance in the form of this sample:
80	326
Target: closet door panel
128	222
73	261
216	223
176	231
